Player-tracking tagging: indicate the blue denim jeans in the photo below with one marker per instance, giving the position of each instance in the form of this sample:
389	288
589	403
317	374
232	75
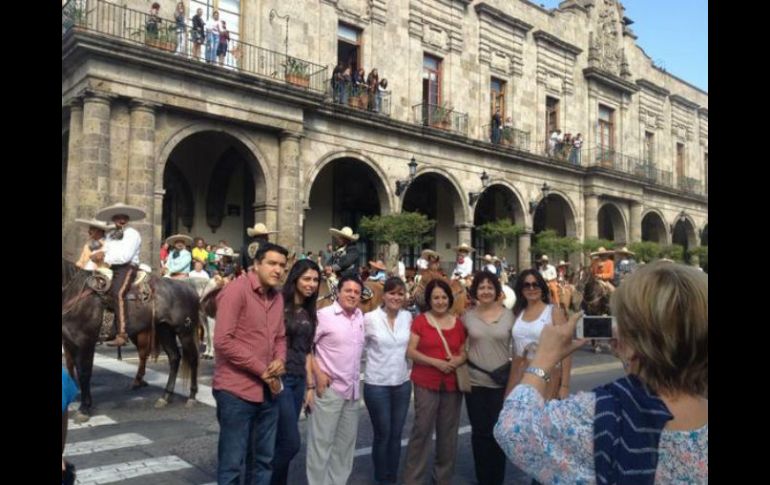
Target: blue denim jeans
287	442
246	439
212	42
388	406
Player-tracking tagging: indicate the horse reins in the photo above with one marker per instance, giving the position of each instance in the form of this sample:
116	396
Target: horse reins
72	302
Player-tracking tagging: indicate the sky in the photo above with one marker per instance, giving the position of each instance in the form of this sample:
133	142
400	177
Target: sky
674	33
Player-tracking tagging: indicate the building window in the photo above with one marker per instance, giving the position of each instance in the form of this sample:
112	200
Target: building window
680	161
497	96
349	47
431	89
649	148
551	117
606	127
230	13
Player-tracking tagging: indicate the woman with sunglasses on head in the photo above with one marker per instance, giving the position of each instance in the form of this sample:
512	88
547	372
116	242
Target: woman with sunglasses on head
387	388
299	295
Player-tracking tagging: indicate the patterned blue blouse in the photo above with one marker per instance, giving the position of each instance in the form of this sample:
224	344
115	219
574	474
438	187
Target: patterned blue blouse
553	442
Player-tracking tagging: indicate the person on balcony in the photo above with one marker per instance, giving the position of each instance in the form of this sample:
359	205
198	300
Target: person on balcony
181	29
559	143
153	21
224	40
508	131
496	126
577	144
198	33
552	141
566	147
212	37
347	79
337	82
382	88
372	83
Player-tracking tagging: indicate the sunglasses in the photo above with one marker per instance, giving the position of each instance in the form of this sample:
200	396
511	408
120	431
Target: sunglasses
530	286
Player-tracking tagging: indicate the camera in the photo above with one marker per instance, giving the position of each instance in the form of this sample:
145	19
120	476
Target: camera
595	327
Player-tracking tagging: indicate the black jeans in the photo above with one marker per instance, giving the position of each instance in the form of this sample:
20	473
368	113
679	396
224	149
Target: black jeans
484	405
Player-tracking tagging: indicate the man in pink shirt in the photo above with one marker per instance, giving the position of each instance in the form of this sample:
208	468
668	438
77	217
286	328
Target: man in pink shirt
339	343
250	345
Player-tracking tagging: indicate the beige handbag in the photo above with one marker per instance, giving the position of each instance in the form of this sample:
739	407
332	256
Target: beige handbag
463	376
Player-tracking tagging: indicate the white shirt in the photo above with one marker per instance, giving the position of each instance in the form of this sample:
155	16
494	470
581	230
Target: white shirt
385	348
199	274
528	333
465	268
491	268
125	250
549	273
422	263
212	25
402	270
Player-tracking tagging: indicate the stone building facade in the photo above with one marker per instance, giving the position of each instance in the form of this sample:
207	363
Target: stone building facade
211	149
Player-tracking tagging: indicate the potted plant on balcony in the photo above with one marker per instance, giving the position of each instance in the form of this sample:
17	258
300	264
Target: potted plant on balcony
73	15
161	37
297	72
441	116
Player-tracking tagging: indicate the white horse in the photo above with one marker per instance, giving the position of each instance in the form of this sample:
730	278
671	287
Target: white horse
509	297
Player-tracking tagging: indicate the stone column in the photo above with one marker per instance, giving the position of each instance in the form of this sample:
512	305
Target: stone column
70	230
157	226
93	190
140	181
591	216
289	216
635	223
464	233
525	258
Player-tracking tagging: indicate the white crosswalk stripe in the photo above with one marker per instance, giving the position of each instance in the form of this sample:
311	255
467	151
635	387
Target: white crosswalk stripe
115	442
132	469
95	421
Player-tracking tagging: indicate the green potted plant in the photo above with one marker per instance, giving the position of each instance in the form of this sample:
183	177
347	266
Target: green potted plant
441	116
73	15
165	38
297	72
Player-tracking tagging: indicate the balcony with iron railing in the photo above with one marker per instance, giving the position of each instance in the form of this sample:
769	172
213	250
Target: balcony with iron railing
116	21
507	136
690	185
359	97
441	117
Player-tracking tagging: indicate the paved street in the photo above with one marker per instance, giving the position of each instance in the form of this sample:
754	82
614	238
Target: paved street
129	441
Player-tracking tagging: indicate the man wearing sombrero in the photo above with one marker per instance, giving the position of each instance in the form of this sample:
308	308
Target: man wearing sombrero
121	252
96	231
604	270
378	271
548	272
179	259
625	266
464	267
257	234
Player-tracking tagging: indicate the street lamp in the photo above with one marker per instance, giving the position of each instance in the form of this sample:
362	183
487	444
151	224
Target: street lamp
534	203
401	185
474	196
274	14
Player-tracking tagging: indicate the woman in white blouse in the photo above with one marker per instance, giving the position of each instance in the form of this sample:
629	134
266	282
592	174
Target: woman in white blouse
387	388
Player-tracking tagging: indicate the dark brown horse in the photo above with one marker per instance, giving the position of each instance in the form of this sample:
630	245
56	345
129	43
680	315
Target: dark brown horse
461	298
171	312
596	297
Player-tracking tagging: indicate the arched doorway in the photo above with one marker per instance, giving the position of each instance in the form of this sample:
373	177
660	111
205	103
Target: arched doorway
555	213
704	238
654	229
497	202
612	227
435	196
213	185
684	235
344	191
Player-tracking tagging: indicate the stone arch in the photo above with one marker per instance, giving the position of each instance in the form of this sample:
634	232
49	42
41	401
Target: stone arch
654	227
543	215
520	213
498	200
684	234
385	194
462	214
264	191
611	214
704	235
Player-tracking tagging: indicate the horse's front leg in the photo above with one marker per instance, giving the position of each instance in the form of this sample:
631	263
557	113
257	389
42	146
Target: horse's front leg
168	341
144	346
190	356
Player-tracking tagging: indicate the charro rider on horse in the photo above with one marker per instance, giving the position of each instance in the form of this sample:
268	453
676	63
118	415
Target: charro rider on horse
121	252
625	266
179	258
604	268
549	275
464	267
96	230
258	234
344	260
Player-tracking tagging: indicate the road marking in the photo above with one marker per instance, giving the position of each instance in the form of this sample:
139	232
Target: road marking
154	378
591	369
118	441
95	421
405	441
132	469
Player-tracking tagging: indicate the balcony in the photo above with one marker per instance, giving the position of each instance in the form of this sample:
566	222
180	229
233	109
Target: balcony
359	97
690	185
508	137
441	117
648	172
104	18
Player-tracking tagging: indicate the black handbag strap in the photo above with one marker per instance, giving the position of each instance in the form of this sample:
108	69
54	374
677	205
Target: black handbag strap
470	363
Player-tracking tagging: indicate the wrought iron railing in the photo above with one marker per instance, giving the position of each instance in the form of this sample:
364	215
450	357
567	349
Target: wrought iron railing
441	117
359	97
689	184
163	34
507	136
649	173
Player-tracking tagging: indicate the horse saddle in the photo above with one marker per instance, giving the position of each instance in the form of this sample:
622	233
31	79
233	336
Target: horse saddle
141	290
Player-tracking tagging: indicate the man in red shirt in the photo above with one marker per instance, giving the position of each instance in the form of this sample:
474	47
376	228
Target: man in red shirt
250	348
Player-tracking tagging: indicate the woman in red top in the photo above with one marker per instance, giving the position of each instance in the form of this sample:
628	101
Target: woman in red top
437	401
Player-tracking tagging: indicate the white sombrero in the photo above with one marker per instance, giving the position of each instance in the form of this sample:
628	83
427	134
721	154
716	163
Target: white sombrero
259	229
104	226
134	213
488	258
345	232
171	241
625	250
601	251
428	253
562	263
464	248
544	258
225	252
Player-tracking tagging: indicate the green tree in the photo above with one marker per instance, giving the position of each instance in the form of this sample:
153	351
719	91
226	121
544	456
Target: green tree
702	253
591	245
674	252
645	250
404	229
502	231
548	242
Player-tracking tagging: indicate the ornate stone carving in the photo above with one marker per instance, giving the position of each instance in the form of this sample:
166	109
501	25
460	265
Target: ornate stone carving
435	36
605	50
426	17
